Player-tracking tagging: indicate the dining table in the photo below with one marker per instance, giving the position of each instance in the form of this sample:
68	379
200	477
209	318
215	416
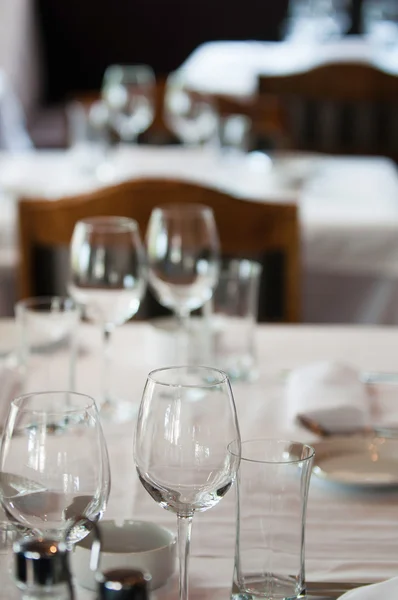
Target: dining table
351	531
232	68
348	213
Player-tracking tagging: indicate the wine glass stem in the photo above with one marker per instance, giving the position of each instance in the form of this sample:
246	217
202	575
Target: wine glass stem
106	349
184	527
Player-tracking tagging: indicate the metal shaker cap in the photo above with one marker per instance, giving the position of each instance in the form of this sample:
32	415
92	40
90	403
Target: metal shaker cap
123	584
40	561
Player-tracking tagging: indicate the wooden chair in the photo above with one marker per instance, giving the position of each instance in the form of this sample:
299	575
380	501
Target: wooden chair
246	229
339	108
268	119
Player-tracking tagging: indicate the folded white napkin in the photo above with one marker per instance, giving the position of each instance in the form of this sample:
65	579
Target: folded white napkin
329	394
386	590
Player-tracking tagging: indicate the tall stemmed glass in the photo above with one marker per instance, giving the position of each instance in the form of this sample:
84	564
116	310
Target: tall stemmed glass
192	116
183	261
54	464
129	93
186	422
108	277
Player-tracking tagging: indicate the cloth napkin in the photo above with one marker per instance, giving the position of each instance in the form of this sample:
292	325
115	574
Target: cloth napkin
386	590
330	395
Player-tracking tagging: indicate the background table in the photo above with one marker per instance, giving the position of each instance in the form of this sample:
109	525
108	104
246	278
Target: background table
232	68
348	215
351	535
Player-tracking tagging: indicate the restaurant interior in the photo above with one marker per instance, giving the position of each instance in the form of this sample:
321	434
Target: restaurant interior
199	291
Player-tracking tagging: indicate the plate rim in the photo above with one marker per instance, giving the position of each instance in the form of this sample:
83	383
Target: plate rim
323	475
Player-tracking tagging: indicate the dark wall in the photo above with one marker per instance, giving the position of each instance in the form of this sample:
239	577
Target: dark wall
82	37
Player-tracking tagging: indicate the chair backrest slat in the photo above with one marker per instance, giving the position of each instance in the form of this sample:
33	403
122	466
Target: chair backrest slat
348	88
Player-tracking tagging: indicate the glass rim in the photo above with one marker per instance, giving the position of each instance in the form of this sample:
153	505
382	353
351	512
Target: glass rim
109	223
16	403
223	377
178	208
67	302
273	462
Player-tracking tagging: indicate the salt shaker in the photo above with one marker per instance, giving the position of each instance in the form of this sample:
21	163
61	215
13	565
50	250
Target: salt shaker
42	569
123	584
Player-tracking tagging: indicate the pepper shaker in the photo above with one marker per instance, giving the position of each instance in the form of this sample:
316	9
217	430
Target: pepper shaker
123	584
42	569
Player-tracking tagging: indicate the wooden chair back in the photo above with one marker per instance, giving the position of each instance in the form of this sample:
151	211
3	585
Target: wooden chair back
342	108
246	228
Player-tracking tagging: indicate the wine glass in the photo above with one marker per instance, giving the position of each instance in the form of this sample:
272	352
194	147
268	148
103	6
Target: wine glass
192	116
317	21
108	277
129	93
54	464
186	422
183	261
380	25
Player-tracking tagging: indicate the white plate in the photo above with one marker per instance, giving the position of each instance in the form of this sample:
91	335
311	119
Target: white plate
362	461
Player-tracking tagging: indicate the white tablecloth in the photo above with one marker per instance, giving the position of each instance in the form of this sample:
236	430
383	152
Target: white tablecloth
232	68
348	214
351	535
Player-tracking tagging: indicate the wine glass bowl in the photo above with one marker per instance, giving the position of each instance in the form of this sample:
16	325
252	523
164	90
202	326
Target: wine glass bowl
108	278
186	423
129	93
54	464
107	268
192	116
183	256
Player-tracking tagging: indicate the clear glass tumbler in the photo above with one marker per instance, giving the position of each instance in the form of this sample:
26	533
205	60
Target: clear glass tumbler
47	329
233	312
272	490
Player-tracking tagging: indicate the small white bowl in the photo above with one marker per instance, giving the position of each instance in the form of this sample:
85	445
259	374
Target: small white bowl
132	544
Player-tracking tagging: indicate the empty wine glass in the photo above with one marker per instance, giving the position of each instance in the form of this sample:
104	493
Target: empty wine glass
54	464
183	261
380	25
187	420
192	116
317	20
108	277
129	93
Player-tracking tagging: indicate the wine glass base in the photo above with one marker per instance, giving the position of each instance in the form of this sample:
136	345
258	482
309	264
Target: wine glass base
118	411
